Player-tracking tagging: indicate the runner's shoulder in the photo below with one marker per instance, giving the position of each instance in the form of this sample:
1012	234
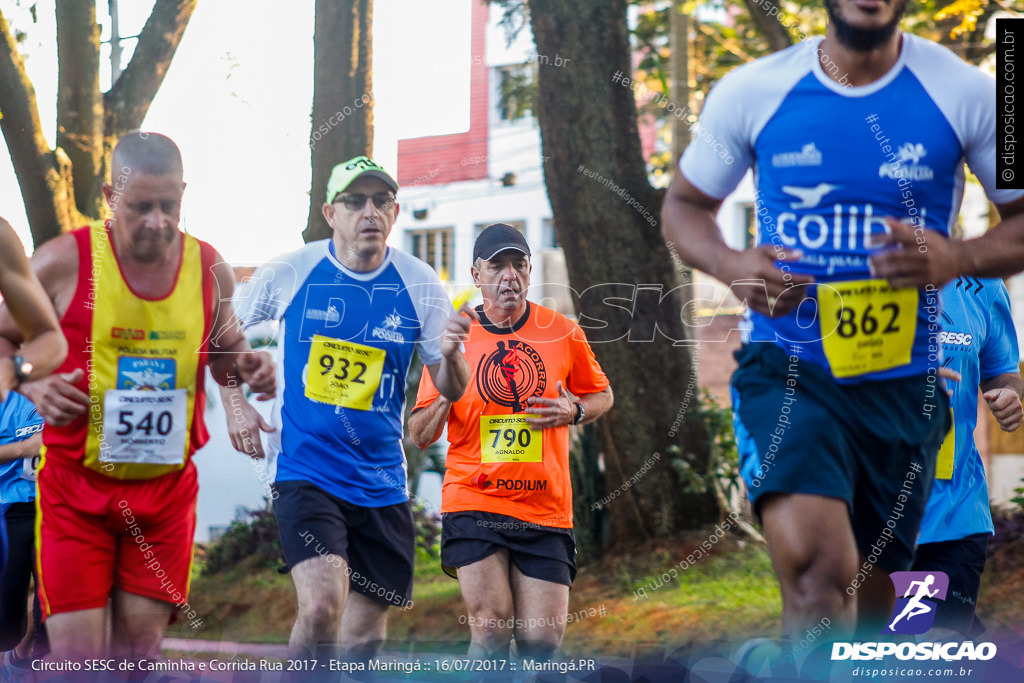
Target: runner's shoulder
55	263
413	270
559	325
767	75
945	75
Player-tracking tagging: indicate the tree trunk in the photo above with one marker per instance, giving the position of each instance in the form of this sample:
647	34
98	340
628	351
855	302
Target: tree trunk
342	124
606	213
61	188
79	104
43	175
769	25
130	97
679	71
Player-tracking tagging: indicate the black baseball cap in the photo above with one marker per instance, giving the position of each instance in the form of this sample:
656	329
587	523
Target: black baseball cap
496	238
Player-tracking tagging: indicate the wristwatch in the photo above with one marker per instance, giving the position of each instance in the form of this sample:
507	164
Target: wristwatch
579	413
22	369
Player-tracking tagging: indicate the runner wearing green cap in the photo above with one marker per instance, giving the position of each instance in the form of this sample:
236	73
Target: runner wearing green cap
351	311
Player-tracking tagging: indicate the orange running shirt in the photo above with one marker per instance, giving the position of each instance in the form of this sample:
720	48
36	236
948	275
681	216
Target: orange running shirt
496	463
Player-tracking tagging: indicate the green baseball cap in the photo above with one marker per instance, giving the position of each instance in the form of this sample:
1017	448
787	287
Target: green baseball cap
357	167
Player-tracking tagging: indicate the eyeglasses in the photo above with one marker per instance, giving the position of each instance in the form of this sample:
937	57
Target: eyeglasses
357	200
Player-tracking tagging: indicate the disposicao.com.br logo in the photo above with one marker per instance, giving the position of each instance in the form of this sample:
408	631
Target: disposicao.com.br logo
917	597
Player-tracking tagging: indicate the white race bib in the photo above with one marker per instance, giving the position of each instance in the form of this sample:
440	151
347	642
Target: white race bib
145	426
29	466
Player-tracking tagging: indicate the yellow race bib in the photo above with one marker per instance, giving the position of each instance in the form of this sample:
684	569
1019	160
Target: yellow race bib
867	326
508	438
944	465
343	373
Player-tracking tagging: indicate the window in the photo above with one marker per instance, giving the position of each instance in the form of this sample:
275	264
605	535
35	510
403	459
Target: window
548	237
435	246
517	92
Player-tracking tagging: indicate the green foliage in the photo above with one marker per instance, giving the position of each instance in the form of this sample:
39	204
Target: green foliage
1018	499
721	473
428	531
257	537
588	489
517	92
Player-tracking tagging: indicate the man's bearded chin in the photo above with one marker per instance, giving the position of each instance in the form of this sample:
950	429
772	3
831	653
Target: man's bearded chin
863	39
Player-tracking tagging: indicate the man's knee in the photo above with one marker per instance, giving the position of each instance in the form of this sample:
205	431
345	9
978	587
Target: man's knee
321	615
492	627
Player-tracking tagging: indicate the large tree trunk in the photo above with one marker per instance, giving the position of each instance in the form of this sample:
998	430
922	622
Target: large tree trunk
342	125
769	24
61	188
79	103
588	125
43	175
130	97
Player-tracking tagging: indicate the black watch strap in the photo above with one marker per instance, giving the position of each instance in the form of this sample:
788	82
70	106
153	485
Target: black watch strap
22	369
579	413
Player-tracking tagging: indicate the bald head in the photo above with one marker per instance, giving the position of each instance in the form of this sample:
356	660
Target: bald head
149	153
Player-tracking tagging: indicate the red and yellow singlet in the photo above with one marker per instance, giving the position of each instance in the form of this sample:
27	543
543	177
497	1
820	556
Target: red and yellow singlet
144	362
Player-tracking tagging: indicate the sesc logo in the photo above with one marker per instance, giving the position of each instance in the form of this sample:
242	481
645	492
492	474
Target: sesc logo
915	612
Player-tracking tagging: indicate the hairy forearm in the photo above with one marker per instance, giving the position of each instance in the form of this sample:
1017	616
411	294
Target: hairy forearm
425	424
1007	380
999	252
223	360
451	377
596	405
695	234
21	449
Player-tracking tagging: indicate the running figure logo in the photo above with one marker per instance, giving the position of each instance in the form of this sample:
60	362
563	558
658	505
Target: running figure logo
510	375
914	612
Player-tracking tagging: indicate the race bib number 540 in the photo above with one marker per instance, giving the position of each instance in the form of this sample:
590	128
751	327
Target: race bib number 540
343	373
872	325
144	426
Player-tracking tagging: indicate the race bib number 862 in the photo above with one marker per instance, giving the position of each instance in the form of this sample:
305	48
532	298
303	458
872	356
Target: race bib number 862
872	326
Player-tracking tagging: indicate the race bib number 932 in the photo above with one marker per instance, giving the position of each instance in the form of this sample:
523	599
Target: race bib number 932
343	373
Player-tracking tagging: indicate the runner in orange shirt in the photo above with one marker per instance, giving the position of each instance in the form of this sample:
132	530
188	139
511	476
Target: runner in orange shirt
507	499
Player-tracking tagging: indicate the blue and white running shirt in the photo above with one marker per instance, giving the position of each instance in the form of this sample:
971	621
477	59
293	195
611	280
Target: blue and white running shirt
345	340
18	421
978	341
830	163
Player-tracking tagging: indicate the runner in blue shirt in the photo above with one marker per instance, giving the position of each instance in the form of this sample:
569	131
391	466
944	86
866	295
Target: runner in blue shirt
20	440
351	311
857	142
979	344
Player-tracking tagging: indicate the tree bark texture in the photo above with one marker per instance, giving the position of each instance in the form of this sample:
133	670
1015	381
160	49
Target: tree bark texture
79	103
769	25
342	122
606	216
61	187
44	175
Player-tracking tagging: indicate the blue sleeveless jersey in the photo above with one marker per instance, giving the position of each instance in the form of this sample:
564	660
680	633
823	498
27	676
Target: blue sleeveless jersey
345	342
831	162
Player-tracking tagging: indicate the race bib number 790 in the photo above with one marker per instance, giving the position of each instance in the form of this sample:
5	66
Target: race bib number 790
508	438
